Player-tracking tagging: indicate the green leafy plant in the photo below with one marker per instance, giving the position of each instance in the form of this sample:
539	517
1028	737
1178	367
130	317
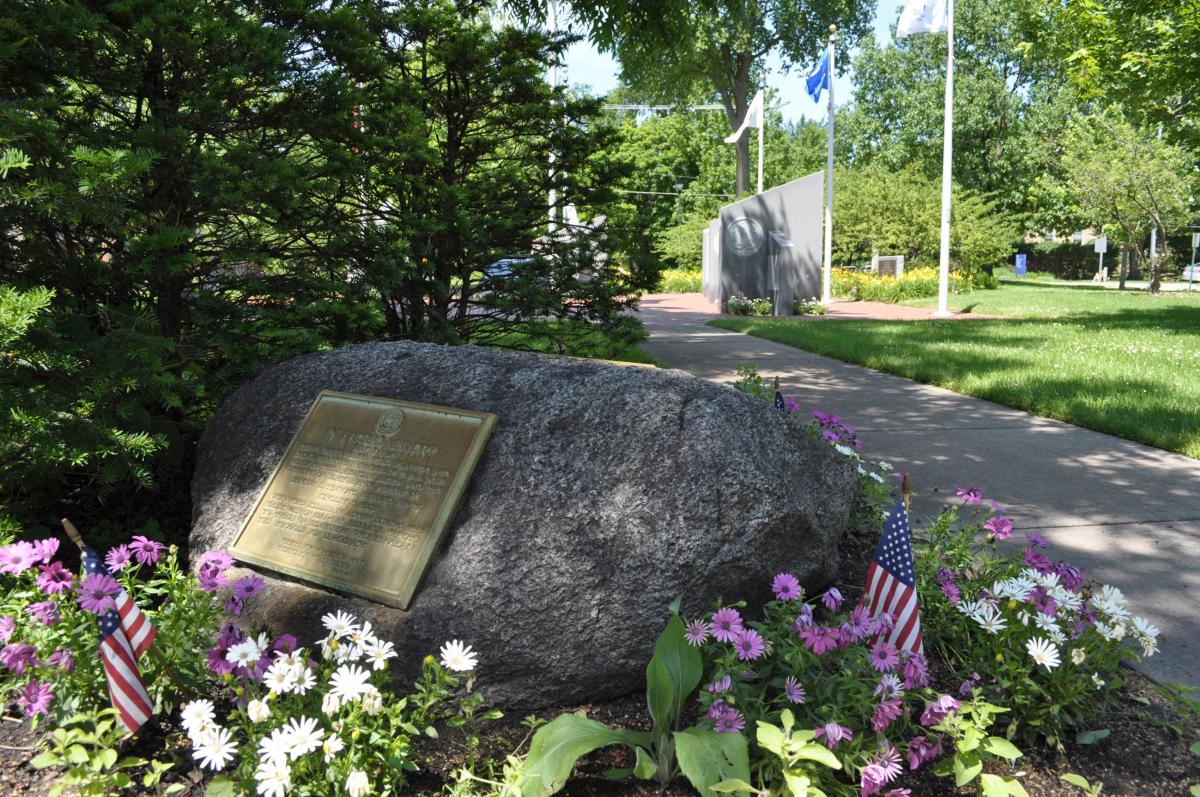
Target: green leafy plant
704	756
85	747
812	306
974	748
798	755
1089	788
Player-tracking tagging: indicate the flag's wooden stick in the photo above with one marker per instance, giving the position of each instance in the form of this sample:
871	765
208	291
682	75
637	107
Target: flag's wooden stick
906	492
73	533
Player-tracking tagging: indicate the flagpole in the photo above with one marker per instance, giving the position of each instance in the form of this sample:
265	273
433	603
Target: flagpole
552	19
762	123
947	152
827	261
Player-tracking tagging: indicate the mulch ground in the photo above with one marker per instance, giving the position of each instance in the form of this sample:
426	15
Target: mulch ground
1145	755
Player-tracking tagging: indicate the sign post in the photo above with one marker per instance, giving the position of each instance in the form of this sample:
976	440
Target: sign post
1192	270
1020	270
1101	245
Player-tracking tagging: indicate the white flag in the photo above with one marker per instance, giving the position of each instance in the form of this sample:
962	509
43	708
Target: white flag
753	118
922	16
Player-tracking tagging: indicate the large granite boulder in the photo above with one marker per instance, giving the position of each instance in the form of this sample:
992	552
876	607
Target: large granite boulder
604	492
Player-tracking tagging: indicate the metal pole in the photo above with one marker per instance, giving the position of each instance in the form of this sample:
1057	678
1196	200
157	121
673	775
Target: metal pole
762	124
1192	270
1154	227
947	159
827	259
552	20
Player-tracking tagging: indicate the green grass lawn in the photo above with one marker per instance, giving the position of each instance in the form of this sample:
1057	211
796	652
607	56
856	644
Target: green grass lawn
1126	364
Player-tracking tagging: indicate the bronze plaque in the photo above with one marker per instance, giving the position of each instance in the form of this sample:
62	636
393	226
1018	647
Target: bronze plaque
363	494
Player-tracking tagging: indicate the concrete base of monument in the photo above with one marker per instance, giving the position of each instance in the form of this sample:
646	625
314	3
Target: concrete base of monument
602	494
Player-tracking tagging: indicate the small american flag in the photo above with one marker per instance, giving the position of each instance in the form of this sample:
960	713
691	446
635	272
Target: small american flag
779	405
891	586
125	634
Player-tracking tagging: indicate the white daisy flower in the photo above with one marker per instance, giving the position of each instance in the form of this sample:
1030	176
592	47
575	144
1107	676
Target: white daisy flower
280	678
244	653
339	625
1097	680
357	784
1149	646
1043	652
275	747
1113	595
884	466
372	701
216	750
293	659
968	608
458	656
844	450
332	746
1078	655
1067	599
274	778
362	635
1056	636
349	682
378	653
330	704
1143	629
1045	622
258	710
196	715
305	734
992	622
305	681
1046	580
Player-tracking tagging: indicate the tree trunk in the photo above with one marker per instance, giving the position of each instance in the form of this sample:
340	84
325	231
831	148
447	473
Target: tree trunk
736	99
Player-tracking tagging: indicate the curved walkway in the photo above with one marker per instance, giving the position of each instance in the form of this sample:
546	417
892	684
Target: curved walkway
1127	513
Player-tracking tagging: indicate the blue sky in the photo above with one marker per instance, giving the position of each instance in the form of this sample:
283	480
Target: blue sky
587	66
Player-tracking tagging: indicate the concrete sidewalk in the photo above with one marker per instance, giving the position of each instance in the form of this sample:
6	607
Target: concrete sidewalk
1127	513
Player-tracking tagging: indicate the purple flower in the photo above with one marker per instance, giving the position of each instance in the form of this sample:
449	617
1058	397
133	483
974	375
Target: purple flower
17	657
720	685
97	593
62	658
216	560
820	640
54	578
793	690
923	749
36	698
898	793
786	587
717	708
945	574
858	626
1043	602
819	416
1037	540
832	599
726	623
999	528
871	779
217	662
970	495
791	404
748	644
45	612
286	643
1037	560
967	686
211	580
951	591
804	619
1072	577
830	435
8	624
729	721
17	557
697	632
45	549
833	734
229	635
234	605
145	550
938	710
247	586
884	657
117	558
883	623
916	672
996	506
885	712
888	687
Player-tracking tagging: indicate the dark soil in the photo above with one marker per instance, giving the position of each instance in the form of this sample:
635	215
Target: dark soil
1145	755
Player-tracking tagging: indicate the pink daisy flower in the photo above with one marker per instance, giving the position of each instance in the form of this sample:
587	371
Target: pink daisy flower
117	558
36	698
884	657
748	644
54	578
97	593
1000	528
786	587
832	599
726	624
833	734
697	632
146	550
17	557
793	690
729	721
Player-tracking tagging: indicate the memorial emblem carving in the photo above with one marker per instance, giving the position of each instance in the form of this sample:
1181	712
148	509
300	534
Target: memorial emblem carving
363	494
744	237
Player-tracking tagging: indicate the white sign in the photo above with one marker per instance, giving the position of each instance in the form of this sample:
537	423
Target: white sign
1196	240
1101	244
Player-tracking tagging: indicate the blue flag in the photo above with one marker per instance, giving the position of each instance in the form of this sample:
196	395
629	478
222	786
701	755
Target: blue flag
818	81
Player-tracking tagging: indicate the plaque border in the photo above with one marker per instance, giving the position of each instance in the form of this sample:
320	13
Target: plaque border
406	591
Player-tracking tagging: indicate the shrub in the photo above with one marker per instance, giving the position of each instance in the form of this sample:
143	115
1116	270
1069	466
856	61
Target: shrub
811	306
1032	631
679	280
917	283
